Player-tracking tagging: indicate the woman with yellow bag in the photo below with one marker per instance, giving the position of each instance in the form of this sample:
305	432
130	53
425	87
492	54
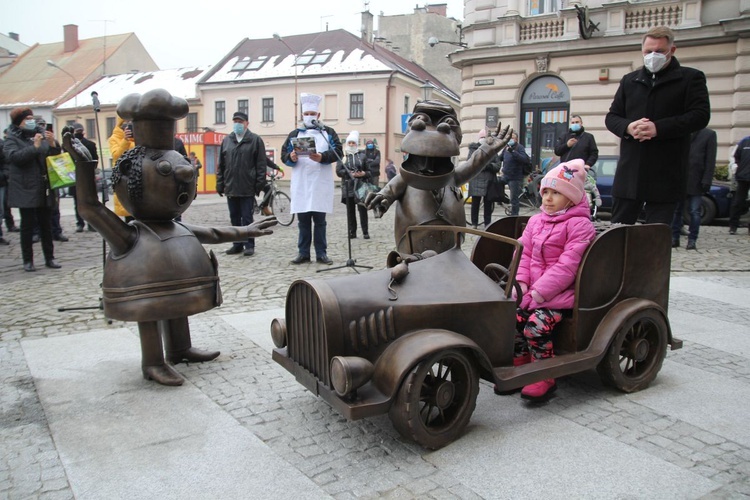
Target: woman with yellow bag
26	149
120	141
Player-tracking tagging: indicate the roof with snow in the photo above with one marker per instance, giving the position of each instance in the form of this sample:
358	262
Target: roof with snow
180	82
327	53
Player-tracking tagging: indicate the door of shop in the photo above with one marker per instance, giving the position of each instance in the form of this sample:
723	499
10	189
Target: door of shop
544	108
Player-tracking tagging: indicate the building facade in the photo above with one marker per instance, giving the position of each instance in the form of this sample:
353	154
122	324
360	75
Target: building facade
534	62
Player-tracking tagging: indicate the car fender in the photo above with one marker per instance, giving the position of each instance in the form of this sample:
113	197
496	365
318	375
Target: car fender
408	350
616	317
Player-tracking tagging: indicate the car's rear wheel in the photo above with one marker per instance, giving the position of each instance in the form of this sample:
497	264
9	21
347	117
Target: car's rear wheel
436	399
637	352
708	211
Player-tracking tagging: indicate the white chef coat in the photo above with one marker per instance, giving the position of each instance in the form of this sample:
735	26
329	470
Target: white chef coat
312	182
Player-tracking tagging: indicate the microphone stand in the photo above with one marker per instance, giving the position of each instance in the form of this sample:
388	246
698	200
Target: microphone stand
350	262
103	188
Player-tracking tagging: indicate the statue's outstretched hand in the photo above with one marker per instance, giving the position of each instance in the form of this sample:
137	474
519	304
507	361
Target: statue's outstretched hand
260	227
378	203
498	139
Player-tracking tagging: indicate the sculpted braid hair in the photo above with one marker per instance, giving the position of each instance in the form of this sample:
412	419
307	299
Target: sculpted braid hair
131	164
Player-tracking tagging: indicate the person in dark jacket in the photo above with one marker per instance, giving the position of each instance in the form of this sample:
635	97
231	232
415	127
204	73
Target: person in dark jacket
241	176
701	168
478	185
742	177
363	168
3	190
514	160
80	134
654	111
576	143
26	150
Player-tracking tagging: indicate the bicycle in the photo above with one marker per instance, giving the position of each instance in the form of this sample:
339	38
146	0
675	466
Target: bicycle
529	197
277	200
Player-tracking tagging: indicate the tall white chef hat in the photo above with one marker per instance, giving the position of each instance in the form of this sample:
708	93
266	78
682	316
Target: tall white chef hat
310	102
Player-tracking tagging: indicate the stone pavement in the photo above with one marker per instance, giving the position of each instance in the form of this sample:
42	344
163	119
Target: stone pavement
78	421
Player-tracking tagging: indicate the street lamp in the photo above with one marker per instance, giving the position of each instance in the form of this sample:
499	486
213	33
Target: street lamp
432	41
75	82
296	94
427	89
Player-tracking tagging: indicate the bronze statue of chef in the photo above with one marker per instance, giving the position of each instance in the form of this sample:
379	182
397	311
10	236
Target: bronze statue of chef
157	272
428	187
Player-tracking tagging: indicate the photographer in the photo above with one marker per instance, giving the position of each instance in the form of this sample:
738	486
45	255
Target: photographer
26	150
514	161
121	140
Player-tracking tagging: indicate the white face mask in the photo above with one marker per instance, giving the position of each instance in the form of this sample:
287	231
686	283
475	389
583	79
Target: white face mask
29	124
654	61
308	120
351	149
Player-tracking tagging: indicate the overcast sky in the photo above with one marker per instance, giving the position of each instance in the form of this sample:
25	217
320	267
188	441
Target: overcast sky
193	32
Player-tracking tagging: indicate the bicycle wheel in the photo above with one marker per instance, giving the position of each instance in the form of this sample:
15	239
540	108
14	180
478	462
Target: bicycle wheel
281	205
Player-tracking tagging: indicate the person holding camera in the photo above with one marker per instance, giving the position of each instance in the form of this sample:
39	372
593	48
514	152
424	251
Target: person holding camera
514	161
26	150
121	140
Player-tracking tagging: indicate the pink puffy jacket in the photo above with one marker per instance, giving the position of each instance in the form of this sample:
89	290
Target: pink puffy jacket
553	246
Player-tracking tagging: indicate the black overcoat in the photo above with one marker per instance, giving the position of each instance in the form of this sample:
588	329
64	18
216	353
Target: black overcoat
676	100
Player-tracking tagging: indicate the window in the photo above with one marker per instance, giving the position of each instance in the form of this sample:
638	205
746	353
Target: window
407	108
249	64
91	129
111	122
537	7
312	57
192	122
220	112
356	106
267	109
243	106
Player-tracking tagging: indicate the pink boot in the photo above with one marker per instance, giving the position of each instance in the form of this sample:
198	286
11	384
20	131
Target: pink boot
517	361
539	391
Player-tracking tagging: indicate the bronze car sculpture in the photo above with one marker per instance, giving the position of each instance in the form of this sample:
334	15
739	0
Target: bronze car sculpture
410	342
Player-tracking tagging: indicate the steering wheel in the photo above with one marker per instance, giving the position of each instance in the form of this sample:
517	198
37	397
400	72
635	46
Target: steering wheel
500	275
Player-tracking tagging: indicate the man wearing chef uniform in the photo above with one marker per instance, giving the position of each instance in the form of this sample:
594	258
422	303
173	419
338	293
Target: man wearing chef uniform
311	150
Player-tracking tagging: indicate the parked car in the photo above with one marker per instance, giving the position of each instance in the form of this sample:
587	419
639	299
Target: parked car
714	205
412	341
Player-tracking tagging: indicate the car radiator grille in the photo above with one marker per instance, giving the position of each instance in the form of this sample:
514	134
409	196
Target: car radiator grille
372	331
306	332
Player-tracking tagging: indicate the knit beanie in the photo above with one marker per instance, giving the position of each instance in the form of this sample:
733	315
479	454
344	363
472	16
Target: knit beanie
18	114
567	179
353	137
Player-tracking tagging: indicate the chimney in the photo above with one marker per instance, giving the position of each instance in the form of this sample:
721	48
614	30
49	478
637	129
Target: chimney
440	9
70	37
13	36
367	27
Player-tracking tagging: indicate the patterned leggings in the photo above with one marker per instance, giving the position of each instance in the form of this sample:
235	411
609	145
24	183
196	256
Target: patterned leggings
533	332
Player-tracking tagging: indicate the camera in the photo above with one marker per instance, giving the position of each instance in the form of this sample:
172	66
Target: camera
432	41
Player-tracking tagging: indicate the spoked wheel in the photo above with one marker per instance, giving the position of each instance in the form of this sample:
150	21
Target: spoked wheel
636	354
436	400
281	205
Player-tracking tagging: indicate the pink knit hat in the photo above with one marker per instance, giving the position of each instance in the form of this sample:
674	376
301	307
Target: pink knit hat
567	179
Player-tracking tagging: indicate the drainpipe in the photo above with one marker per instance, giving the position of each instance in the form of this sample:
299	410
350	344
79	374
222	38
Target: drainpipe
388	116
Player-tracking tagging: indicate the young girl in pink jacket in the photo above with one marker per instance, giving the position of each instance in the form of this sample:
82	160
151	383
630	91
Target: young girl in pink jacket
553	245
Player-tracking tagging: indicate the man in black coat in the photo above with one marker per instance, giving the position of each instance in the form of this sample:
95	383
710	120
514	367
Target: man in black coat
79	133
742	178
701	168
654	111
241	176
576	143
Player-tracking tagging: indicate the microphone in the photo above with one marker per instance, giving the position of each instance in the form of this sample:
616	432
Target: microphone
316	124
95	98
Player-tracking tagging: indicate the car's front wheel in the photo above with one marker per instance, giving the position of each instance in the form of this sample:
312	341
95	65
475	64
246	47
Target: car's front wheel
436	399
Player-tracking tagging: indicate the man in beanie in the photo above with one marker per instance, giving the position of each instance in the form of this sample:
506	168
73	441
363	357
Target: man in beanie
241	176
80	134
553	245
26	150
312	179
